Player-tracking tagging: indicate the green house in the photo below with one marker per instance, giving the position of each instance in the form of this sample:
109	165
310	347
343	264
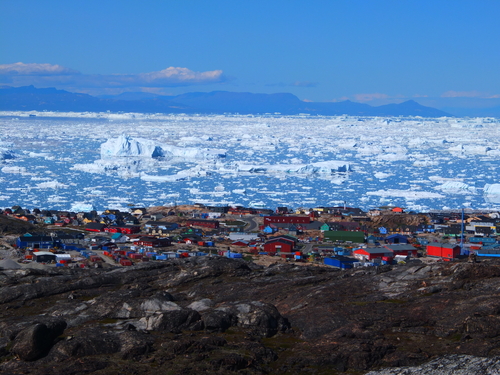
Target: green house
339	235
325	227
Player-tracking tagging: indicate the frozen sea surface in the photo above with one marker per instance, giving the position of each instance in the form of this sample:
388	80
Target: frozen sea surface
72	160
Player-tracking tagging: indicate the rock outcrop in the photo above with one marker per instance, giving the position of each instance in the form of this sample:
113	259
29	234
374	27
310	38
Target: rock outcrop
220	315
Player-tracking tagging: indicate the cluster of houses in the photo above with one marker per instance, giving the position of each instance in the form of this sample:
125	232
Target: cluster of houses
349	239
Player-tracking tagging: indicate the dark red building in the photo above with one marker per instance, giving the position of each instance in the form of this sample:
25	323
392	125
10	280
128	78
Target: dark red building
286	219
279	245
153	242
202	223
125	229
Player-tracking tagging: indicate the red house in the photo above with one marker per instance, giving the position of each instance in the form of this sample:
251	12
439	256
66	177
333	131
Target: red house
287	219
443	250
95	227
125	229
202	223
372	253
241	243
403	249
153	242
129	229
279	244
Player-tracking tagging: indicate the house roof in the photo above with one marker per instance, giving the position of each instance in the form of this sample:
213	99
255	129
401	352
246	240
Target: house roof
41	253
284	237
35	239
400	247
373	250
315	225
95	226
279	240
396	235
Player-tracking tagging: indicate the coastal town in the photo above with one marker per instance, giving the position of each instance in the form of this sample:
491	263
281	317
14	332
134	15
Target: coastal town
341	237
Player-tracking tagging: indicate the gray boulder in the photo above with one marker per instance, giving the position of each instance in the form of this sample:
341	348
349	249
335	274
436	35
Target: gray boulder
261	318
173	321
217	320
35	342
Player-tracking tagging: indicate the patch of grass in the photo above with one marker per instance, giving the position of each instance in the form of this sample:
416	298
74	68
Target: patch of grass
86	298
281	341
399	301
108	321
456	337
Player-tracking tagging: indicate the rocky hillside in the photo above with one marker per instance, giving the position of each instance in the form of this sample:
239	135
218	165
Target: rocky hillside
226	316
14	226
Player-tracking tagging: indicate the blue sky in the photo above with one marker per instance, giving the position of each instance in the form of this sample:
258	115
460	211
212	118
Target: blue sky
371	51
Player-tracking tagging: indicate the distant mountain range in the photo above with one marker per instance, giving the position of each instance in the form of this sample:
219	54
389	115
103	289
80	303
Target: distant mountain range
29	98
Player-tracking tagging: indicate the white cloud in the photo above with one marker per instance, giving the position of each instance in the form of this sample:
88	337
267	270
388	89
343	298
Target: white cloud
23	69
468	94
370	97
180	75
47	75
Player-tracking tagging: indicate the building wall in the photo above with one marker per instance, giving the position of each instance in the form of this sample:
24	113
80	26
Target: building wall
278	246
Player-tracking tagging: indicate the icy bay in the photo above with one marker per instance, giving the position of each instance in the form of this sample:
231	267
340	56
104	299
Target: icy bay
75	160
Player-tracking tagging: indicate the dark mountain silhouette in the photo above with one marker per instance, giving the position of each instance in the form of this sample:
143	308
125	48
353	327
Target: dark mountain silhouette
241	102
409	108
131	96
30	98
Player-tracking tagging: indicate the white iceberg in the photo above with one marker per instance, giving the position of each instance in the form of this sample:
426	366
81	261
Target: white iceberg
51	185
456	187
492	190
125	146
14	169
81	207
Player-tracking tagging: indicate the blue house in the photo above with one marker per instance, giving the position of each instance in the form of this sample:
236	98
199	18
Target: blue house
268	229
36	242
396	239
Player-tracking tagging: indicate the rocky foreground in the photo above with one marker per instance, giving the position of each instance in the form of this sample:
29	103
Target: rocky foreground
226	316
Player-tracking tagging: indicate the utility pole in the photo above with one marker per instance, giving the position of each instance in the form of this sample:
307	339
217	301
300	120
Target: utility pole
462	234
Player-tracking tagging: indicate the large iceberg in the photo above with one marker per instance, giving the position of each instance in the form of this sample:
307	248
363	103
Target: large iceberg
492	193
125	146
5	150
456	187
